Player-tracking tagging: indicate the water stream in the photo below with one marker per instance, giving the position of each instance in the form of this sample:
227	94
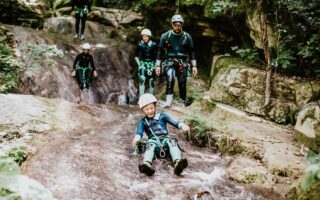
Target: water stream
98	163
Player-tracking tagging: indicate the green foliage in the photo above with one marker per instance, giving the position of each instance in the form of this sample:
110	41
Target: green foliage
19	155
223	6
313	170
9	67
199	133
250	55
37	56
5	192
297	24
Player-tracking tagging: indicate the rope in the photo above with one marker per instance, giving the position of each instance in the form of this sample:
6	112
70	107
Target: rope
162	152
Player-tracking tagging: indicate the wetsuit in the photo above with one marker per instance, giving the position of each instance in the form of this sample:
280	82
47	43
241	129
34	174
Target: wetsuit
145	57
81	7
84	66
158	124
177	47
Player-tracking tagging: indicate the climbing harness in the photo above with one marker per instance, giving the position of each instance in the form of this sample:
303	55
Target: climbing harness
162	152
82	11
148	66
83	78
185	38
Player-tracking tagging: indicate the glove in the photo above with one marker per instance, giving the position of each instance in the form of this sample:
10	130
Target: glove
184	127
158	70
95	74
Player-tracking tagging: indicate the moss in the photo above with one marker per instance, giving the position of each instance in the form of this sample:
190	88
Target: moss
11	134
297	193
207	106
283	172
312	143
251	178
229	145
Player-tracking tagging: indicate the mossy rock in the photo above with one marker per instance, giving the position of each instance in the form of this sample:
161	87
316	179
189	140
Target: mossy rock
297	193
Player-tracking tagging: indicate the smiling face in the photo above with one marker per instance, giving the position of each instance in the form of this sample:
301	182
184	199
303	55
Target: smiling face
149	109
177	27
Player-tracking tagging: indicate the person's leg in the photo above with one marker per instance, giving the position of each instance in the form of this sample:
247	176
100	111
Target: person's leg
80	78
171	74
142	81
147	159
182	82
77	17
149	153
174	149
88	76
151	76
83	25
179	163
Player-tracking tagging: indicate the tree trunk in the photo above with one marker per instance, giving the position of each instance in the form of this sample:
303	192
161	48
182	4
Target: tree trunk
264	33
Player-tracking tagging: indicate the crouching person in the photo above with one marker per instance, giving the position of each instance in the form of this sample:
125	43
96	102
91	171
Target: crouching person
154	124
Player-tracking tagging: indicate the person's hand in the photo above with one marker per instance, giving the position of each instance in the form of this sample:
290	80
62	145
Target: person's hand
185	127
194	71
158	70
73	13
73	73
134	142
95	74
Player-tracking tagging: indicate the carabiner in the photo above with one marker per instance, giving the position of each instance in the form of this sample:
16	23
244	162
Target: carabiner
162	153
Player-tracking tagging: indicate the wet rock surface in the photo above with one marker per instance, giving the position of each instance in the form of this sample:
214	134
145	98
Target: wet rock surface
51	77
307	128
87	155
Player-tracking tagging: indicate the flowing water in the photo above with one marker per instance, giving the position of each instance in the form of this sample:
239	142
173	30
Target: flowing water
97	163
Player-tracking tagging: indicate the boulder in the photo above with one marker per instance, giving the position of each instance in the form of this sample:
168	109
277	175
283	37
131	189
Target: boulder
244	170
307	128
108	16
253	23
65	25
237	84
21	12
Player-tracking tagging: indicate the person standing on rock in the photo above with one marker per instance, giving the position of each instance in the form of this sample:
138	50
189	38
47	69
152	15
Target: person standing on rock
154	124
80	10
177	45
83	67
145	58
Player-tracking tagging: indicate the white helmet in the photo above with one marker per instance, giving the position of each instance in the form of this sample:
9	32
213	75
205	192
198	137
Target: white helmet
146	32
146	99
177	18
86	46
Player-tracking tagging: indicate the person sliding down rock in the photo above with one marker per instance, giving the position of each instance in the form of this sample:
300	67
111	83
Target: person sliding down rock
80	10
154	124
145	58
178	45
83	67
